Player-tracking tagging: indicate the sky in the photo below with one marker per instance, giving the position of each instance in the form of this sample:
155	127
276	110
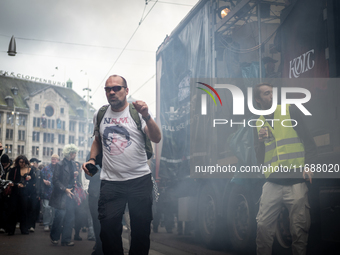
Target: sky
83	40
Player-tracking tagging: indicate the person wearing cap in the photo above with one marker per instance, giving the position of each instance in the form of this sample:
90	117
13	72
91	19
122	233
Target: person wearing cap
47	187
35	162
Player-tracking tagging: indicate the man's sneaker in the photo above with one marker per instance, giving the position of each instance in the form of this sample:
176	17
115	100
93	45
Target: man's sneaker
31	229
2	230
46	228
67	244
54	242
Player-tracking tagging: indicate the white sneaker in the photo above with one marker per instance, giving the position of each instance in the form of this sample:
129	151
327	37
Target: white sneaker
31	229
2	230
46	228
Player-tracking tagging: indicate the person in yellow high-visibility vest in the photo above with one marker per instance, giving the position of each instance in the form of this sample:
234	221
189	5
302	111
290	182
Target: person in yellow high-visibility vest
282	150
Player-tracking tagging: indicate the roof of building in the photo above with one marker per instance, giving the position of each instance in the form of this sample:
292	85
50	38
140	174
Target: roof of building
28	88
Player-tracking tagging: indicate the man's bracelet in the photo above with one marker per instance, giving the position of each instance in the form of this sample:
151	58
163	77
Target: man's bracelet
92	159
146	118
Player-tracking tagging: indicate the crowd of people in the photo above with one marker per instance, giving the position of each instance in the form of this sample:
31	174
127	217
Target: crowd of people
31	197
124	142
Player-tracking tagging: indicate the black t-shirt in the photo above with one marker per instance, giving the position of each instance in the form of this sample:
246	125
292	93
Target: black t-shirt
70	166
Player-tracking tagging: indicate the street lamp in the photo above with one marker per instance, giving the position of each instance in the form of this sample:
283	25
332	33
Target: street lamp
12	47
88	90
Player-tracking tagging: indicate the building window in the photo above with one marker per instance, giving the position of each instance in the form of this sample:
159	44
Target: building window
21	150
89	142
80	154
81	141
63	125
48	137
48	123
43	121
9	119
60	152
72	126
61	110
36	136
81	127
22	120
36	107
53	124
90	130
21	135
47	151
0	117
61	139
49	111
71	139
9	134
8	148
35	150
36	122
58	123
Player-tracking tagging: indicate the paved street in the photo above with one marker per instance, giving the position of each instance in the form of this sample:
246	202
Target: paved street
38	243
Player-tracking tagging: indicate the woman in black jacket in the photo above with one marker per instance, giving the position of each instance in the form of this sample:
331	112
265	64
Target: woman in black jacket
23	180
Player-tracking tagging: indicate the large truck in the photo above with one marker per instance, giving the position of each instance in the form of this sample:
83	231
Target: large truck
292	40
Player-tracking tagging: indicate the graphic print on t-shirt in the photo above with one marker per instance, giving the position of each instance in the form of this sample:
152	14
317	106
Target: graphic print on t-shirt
116	139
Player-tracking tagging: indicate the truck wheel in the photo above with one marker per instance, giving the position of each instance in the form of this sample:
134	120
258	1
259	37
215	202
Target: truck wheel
208	224
241	220
283	235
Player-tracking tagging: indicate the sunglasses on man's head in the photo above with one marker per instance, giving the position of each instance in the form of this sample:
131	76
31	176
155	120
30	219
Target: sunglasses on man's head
114	88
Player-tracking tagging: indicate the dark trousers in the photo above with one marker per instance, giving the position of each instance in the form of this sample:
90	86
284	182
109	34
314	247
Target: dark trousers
18	205
33	202
63	222
93	205
80	217
3	217
111	206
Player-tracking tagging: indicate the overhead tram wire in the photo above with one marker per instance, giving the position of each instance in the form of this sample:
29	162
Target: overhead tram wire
162	2
141	21
144	84
70	43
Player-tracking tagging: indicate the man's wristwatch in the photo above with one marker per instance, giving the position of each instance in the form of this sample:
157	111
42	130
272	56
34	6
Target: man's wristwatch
92	159
146	118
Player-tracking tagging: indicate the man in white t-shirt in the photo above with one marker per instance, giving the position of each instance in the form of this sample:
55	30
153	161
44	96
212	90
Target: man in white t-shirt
125	176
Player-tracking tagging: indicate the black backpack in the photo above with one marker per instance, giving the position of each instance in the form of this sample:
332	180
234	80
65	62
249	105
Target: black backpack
135	117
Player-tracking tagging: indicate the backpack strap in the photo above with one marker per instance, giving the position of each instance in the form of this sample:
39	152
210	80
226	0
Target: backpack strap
136	118
100	116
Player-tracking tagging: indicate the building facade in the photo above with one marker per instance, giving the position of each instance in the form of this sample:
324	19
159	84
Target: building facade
38	120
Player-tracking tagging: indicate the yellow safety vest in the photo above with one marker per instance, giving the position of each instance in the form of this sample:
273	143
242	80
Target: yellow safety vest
286	148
